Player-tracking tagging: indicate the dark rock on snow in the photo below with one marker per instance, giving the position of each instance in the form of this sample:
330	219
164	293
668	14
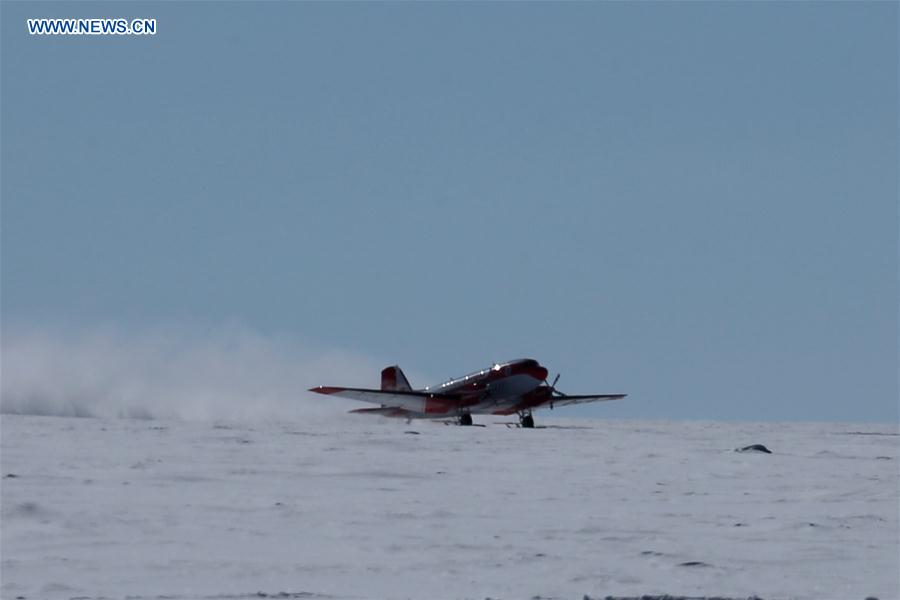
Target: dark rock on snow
754	448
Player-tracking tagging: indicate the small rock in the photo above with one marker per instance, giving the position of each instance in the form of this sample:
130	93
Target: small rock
754	448
694	563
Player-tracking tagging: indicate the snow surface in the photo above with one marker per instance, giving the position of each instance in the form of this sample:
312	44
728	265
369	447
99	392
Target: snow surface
354	507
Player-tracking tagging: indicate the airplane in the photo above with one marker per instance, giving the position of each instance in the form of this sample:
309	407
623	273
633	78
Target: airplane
515	387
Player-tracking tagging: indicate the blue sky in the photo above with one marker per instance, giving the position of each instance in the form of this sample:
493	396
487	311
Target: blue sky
694	203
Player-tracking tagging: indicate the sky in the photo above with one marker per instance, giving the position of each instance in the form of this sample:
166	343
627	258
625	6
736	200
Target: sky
692	203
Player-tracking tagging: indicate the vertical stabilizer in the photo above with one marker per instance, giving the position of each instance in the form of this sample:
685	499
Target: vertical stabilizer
393	379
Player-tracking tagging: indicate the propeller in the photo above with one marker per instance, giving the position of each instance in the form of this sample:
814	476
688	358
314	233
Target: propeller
552	386
554	393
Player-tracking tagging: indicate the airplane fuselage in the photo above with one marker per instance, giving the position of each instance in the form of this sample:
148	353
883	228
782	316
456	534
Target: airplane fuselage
502	389
517	386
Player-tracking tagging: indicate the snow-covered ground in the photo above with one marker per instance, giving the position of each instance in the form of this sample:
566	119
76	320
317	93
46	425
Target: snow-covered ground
352	507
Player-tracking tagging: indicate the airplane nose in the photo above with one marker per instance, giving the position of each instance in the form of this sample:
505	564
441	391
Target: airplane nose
540	373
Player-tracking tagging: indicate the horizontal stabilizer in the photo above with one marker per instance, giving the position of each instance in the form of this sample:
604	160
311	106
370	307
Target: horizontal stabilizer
384	411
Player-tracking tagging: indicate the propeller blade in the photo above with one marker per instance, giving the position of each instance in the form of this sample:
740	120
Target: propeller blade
553	391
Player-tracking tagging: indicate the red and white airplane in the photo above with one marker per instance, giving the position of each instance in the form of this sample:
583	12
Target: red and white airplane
514	387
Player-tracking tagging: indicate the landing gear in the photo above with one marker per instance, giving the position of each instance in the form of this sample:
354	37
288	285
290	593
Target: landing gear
526	420
465	419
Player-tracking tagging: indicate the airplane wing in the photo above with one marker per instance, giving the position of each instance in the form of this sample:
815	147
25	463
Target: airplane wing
407	400
567	400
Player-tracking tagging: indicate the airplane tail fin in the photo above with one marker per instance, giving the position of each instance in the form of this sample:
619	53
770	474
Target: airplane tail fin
393	379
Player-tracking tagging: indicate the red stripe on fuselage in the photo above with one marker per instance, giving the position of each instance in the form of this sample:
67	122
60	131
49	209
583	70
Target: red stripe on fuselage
438	406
